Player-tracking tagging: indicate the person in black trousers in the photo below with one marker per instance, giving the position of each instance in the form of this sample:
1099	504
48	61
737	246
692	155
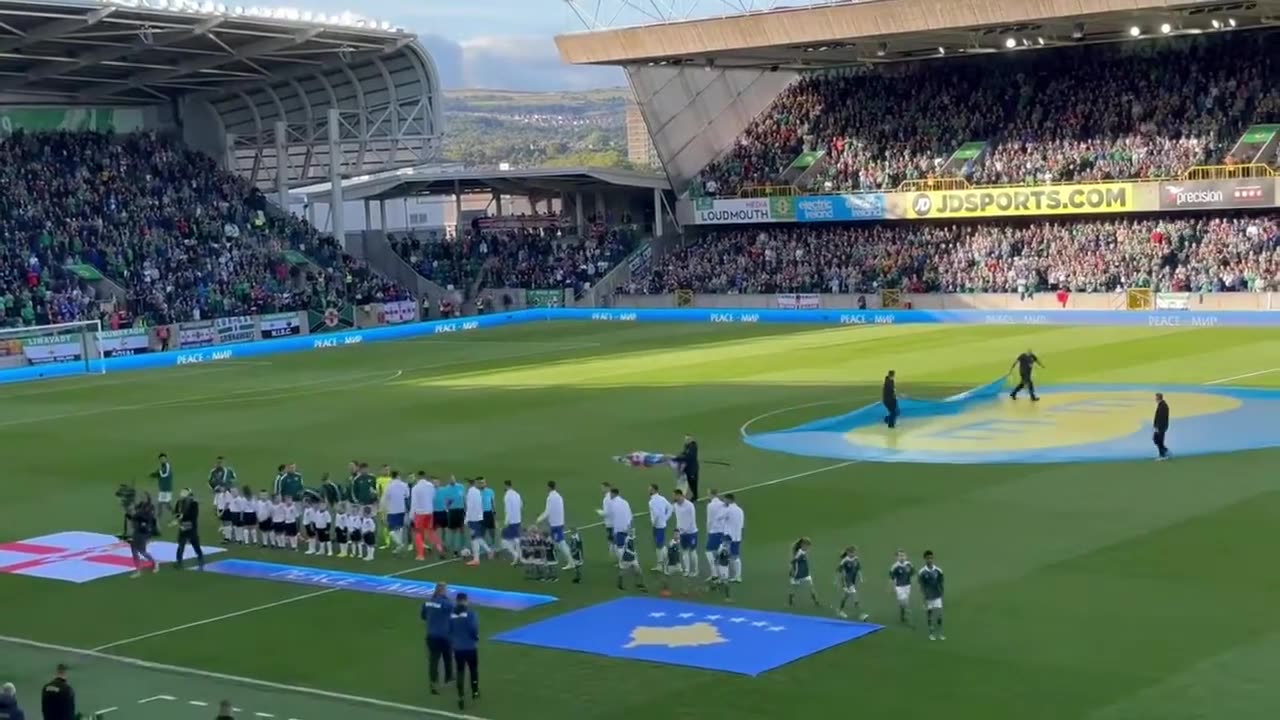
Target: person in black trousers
58	699
437	613
1025	363
688	459
464	634
188	512
1161	426
889	396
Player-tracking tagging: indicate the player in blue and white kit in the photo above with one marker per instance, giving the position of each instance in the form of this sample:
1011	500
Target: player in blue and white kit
800	575
606	516
659	515
512	528
474	508
553	513
687	529
620	519
734	521
715	530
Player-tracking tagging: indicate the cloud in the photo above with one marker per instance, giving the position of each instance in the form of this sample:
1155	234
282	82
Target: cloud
513	62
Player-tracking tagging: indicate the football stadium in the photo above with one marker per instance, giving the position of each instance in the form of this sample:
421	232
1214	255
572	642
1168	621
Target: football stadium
984	288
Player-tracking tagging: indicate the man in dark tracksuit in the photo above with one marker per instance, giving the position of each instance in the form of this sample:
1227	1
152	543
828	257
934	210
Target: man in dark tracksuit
58	700
188	512
464	634
889	396
688	459
437	613
1161	426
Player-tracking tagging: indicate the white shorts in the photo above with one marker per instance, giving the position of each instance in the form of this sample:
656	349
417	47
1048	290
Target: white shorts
935	604
903	592
802	581
628	565
851	590
164	497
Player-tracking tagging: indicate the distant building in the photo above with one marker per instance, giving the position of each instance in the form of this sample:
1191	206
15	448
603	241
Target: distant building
640	150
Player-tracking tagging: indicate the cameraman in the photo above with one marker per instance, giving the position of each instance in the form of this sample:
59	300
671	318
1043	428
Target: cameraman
188	513
143	518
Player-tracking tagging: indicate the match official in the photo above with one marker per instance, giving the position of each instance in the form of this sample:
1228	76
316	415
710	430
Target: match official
436	613
188	514
688	459
464	634
889	397
1161	426
1025	362
58	699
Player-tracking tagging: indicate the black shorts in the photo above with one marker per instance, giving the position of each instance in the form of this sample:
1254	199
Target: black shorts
457	519
322	534
340	535
439	519
264	525
489	520
291	529
370	538
227	517
310	530
242	519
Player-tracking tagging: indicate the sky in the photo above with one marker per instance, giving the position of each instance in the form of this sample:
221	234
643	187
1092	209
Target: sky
492	44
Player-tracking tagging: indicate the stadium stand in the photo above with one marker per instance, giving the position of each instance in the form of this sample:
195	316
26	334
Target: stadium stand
187	240
1151	111
1199	254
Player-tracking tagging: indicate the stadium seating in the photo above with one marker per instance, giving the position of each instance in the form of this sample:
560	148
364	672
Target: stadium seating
1178	254
528	258
183	237
1049	116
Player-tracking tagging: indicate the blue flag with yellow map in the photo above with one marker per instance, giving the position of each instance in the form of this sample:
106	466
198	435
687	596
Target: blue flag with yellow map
711	637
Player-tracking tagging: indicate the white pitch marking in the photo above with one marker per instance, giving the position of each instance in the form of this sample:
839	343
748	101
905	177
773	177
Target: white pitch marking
104	711
198	703
1221	381
262	714
743	430
157	697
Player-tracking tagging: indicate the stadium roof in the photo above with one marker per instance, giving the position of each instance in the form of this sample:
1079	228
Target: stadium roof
434	181
251	67
835	33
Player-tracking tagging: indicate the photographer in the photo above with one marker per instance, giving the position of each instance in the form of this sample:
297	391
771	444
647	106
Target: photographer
188	513
142	516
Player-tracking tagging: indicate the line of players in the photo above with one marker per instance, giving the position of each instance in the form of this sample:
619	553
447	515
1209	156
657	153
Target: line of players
849	577
276	522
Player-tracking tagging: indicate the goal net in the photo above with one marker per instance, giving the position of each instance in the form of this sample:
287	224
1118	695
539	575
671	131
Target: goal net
63	349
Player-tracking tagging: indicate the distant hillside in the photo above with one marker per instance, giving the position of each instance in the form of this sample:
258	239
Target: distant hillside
529	129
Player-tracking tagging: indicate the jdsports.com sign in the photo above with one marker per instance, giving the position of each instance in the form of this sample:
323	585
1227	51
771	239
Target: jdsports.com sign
1006	202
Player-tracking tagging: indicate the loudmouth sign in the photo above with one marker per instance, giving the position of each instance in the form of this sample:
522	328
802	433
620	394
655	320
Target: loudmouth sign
731	212
1218	194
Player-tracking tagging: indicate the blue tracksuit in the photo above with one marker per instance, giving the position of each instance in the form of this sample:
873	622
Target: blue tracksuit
464	630
436	613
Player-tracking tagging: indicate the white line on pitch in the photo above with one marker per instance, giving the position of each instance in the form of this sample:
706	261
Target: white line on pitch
104	711
1220	381
157	697
198	703
414	569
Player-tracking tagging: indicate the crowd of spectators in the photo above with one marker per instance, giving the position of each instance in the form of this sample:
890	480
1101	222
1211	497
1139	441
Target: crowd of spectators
532	258
1081	113
1179	254
185	239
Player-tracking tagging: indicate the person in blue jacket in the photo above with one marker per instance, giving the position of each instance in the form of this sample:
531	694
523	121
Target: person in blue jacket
464	634
9	709
437	613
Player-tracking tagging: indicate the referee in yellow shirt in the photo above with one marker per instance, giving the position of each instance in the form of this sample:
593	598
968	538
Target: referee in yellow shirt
384	479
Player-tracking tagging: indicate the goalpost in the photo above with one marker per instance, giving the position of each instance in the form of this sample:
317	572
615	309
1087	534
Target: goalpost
73	348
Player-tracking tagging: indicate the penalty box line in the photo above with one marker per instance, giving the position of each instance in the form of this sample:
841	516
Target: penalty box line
263	684
408	571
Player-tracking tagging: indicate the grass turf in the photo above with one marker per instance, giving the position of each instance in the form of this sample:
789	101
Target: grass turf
1125	590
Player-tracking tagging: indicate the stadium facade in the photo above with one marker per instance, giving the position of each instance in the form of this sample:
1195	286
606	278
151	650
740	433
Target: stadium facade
283	97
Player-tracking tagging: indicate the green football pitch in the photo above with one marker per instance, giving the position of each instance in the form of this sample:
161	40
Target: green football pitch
1103	591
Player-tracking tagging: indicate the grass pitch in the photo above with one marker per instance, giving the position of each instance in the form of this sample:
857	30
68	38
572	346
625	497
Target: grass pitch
1113	591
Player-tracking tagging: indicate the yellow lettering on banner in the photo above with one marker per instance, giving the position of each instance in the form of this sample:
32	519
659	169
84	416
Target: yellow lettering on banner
1030	200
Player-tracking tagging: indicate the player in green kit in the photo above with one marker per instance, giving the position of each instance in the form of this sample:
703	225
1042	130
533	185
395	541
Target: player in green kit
799	575
931	589
574	539
848	575
221	476
900	575
672	568
164	488
364	487
720	580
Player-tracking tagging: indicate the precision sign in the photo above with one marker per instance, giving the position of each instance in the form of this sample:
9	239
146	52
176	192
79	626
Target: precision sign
1006	202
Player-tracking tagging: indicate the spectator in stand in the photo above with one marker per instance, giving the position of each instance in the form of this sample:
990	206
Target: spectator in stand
186	240
1178	254
1080	113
